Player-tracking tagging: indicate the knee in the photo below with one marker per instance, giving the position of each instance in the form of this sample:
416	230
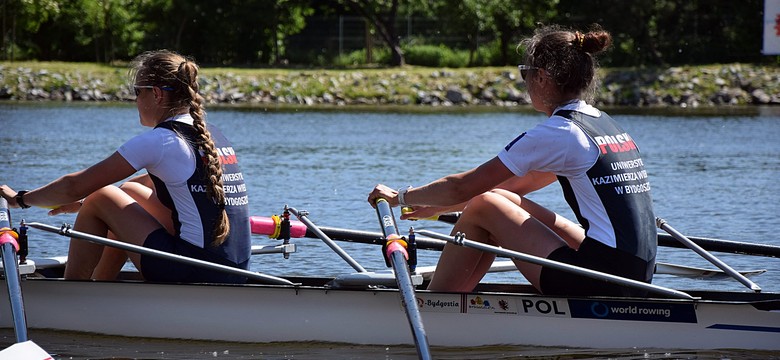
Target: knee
133	188
101	195
487	202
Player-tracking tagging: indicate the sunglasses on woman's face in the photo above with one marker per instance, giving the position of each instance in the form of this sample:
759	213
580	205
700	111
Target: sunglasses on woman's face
524	70
138	88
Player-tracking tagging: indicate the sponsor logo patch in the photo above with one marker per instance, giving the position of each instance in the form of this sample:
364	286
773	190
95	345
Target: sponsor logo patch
637	311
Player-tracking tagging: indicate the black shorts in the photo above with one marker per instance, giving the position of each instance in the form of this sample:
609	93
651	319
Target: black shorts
161	270
594	255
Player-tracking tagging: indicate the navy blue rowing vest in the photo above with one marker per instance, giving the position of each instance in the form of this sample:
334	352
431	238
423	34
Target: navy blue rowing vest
620	180
237	246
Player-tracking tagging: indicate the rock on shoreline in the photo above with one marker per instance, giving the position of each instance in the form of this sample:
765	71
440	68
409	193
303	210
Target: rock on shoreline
695	86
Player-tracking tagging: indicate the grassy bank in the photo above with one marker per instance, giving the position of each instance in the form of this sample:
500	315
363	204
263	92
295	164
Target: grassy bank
694	86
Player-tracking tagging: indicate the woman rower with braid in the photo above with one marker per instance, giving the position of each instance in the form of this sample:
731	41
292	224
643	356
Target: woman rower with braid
179	206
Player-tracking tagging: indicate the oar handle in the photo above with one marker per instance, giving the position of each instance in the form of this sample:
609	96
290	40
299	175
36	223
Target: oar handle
393	240
386	217
272	226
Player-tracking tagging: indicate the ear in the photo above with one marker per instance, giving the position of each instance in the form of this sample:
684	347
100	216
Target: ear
158	95
541	75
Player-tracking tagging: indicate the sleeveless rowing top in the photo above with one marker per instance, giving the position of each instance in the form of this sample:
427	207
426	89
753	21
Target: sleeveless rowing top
620	180
202	213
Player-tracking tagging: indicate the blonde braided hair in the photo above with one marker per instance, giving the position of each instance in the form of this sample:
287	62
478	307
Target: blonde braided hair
167	68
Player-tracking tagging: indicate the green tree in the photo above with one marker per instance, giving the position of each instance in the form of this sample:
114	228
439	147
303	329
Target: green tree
26	17
501	21
110	27
663	32
382	15
77	30
224	31
512	17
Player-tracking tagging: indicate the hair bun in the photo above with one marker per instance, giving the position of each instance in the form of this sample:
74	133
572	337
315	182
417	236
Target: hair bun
595	42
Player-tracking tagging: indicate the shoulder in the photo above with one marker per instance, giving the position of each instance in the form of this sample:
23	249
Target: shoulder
147	138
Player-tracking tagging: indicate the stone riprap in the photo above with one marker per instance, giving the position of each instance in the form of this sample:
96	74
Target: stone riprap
694	86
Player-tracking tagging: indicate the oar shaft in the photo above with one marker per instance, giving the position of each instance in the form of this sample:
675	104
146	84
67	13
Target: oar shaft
703	253
374	238
403	279
558	265
8	250
423	242
406	288
13	281
66	231
724	246
325	238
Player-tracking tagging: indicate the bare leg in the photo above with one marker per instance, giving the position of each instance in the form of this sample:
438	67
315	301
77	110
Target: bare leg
111	262
493	218
107	208
114	259
568	230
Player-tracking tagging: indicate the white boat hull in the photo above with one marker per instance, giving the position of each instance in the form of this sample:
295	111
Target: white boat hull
266	313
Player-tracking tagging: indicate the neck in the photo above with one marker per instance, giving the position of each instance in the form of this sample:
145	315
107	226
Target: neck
567	102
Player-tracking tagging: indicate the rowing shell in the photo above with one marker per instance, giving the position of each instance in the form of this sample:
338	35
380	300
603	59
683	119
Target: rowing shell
494	314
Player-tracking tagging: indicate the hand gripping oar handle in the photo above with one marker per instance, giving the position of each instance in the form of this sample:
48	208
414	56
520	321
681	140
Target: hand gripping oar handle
661	223
13	280
396	252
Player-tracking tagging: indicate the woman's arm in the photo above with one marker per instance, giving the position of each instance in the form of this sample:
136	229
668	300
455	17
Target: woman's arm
449	190
77	185
530	182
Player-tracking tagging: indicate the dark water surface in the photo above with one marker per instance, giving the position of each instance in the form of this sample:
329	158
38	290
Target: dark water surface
713	175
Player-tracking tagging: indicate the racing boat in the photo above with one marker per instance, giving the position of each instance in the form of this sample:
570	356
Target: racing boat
367	307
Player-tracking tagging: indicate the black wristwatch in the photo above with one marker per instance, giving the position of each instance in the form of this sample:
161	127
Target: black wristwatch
20	199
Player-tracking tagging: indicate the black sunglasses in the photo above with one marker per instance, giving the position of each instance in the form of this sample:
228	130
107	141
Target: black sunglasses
138	88
524	70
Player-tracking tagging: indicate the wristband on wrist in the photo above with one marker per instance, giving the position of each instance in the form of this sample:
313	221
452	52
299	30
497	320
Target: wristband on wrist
401	193
20	199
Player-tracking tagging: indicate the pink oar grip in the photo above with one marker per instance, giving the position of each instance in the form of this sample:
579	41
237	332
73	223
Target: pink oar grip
8	238
395	246
264	225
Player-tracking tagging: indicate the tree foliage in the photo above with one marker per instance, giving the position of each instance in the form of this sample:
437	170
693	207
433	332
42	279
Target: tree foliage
261	32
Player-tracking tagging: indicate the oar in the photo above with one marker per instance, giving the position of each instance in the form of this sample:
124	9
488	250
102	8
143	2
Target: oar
460	240
709	244
697	272
302	216
298	230
395	251
65	230
660	268
259	225
13	280
661	223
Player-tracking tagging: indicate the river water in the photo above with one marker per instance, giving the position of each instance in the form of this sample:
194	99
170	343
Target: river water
713	175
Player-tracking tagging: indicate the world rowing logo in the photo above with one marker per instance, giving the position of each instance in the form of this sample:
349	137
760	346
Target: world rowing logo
599	309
